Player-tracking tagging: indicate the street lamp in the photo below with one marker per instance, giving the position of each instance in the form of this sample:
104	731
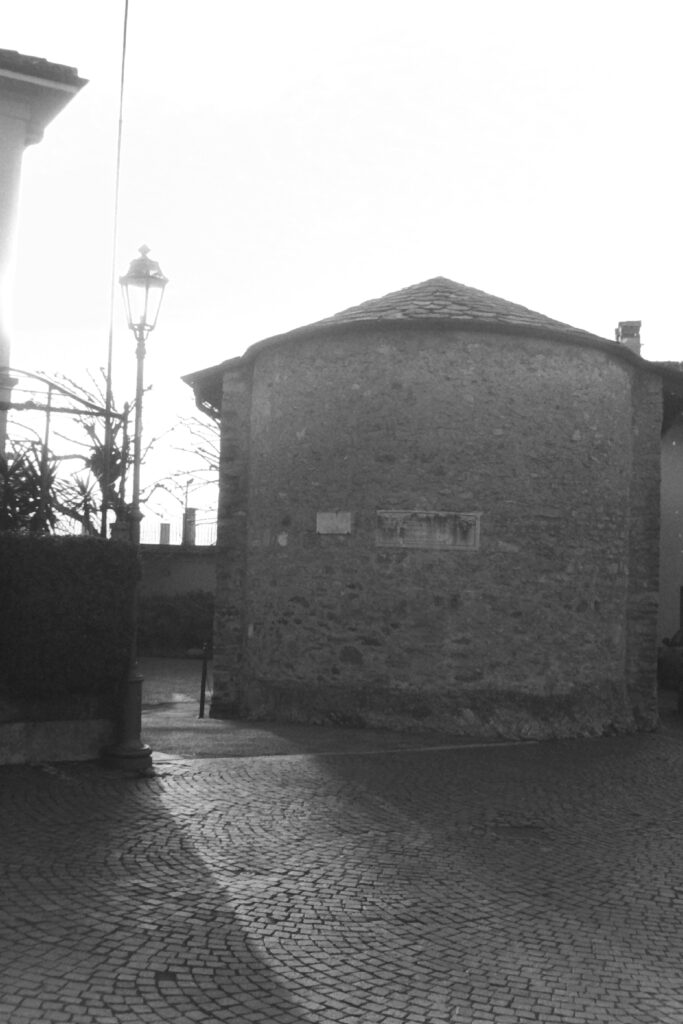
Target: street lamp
143	289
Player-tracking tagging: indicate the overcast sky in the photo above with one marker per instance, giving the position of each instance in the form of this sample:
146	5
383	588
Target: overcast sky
285	160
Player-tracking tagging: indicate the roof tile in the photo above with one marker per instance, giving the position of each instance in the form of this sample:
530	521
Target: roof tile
442	299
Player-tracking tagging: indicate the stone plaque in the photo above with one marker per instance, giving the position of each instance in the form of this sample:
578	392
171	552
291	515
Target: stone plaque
333	522
433	531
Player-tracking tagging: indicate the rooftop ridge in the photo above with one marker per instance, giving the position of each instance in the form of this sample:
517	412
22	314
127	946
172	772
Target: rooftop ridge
443	299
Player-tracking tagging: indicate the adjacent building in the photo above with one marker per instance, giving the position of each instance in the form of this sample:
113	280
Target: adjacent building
32	93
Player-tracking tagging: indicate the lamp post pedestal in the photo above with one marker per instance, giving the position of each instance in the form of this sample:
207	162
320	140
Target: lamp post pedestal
130	752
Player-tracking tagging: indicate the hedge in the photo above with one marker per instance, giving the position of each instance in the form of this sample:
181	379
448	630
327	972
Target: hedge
65	626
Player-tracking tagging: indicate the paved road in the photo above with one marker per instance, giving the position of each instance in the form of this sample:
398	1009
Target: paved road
507	884
173	680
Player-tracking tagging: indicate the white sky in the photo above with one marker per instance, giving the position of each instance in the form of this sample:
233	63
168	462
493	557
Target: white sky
285	160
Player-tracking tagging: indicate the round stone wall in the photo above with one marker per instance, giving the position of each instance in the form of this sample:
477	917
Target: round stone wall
438	532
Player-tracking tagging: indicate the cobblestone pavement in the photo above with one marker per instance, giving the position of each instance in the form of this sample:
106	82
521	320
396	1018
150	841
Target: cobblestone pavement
539	882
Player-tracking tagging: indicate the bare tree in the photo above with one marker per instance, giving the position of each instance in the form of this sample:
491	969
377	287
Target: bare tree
198	438
79	469
104	460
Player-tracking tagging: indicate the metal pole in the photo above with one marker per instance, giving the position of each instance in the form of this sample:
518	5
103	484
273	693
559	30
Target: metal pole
125	447
135	514
202	691
131	752
106	468
42	513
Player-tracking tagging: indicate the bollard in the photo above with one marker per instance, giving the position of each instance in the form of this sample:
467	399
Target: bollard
202	692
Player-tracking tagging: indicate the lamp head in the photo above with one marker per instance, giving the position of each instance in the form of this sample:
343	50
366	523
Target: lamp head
143	289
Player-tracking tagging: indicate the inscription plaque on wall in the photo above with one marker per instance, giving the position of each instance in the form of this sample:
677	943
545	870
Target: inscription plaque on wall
434	531
333	522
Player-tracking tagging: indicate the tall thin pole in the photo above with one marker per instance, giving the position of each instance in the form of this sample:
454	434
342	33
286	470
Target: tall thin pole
130	751
135	513
106	468
44	456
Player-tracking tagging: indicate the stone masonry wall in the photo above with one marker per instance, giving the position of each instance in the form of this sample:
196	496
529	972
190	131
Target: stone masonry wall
671	539
231	543
643	594
525	636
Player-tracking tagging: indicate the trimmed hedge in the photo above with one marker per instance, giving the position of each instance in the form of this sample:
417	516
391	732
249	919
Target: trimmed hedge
171	625
65	626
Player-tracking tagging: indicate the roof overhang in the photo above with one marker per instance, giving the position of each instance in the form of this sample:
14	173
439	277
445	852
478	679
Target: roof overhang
39	86
207	383
208	386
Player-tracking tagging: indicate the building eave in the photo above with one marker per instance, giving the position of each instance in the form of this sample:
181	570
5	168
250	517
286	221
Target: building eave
207	383
45	88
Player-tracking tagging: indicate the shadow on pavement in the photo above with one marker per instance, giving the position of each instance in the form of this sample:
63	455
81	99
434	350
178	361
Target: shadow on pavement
112	907
177	731
172	727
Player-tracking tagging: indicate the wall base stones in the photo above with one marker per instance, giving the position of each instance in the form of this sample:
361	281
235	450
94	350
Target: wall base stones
487	714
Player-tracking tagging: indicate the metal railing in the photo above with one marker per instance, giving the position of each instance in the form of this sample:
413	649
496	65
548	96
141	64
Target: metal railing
155	530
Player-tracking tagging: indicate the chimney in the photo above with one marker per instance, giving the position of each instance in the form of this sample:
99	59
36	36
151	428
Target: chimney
628	333
189	521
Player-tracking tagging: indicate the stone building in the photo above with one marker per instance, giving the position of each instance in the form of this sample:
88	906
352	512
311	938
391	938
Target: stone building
439	509
671	523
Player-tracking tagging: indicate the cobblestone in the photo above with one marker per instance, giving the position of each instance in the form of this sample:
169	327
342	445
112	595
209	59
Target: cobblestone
512	884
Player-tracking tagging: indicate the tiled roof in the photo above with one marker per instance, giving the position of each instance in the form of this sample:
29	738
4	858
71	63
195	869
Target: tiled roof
442	299
438	300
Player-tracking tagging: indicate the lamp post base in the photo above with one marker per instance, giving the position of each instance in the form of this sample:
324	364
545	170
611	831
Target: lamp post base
130	753
129	759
